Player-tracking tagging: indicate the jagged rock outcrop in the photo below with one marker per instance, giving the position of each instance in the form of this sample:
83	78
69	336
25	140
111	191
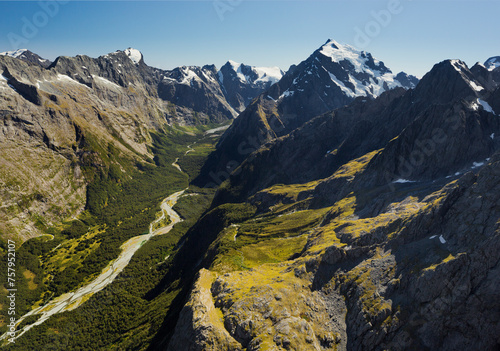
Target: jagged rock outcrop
407	81
201	325
197	89
242	83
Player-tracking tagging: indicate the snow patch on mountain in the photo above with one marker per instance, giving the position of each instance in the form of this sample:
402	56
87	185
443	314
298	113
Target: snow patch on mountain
268	74
462	68
475	86
106	82
287	93
15	53
492	63
458	65
264	74
486	106
66	78
403	181
134	55
339	53
188	76
342	86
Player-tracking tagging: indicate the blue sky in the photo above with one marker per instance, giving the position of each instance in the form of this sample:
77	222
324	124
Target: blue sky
406	35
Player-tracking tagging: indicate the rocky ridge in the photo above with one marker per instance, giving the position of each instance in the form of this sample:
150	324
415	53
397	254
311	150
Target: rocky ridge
27	56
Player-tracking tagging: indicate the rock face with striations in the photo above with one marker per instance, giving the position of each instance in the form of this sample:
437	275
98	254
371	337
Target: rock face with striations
190	94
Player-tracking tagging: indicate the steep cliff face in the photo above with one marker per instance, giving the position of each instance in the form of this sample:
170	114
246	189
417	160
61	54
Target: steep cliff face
207	332
411	268
197	89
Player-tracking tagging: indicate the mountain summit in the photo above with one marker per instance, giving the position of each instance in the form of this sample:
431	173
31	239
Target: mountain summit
339	73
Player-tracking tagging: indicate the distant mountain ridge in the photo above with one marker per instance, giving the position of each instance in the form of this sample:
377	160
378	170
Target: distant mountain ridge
27	56
320	146
234	84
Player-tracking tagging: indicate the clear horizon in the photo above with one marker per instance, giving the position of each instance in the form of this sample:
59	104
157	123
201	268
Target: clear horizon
406	35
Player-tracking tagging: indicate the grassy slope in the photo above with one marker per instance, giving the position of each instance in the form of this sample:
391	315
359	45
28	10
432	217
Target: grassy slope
260	254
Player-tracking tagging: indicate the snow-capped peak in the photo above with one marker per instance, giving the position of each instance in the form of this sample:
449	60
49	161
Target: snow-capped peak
359	59
134	55
15	53
264	74
268	74
492	63
355	73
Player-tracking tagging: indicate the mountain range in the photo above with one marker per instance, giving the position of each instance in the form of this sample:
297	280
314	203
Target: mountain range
332	77
335	206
